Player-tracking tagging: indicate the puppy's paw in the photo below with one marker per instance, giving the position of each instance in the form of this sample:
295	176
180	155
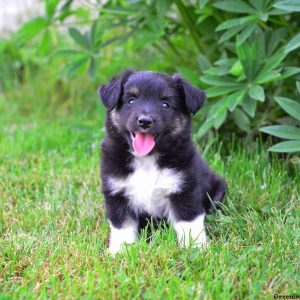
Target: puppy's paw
120	236
116	247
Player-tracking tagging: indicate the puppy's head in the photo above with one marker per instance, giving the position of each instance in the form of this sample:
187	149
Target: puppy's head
146	107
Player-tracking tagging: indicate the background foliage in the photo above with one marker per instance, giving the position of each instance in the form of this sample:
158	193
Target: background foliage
244	54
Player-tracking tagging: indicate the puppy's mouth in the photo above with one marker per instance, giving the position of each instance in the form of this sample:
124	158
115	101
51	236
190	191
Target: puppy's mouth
142	142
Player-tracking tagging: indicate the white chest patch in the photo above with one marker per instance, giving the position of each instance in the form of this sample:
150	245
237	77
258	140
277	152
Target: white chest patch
148	188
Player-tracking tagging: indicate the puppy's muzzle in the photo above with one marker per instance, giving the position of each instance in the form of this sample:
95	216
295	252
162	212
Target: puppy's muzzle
145	122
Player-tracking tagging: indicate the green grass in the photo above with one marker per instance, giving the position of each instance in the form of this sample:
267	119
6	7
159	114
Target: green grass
53	231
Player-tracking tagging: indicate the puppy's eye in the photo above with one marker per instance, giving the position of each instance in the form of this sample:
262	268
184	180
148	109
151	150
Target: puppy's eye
131	100
165	105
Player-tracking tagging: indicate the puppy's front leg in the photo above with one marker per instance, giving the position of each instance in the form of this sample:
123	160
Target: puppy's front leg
124	234
191	232
123	226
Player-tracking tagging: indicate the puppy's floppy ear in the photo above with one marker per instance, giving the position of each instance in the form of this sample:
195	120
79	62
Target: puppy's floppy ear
111	92
193	97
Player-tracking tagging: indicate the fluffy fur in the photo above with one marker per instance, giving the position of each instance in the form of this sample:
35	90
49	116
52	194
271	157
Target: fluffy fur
172	182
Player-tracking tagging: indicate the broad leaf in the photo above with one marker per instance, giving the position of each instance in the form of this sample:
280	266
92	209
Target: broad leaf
267	76
289	71
283	131
293	44
229	33
78	37
190	75
219	81
236	22
289	5
219	119
242	37
249	106
45	43
51	6
207	125
203	62
31	30
298	86
234	99
286	147
257	92
290	106
65	52
241	120
220	90
237	6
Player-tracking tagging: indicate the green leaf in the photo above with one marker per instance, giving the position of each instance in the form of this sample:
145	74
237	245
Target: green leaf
75	64
237	68
219	119
78	37
298	86
219	81
65	52
241	120
235	99
220	71
293	44
45	43
289	71
51	6
258	4
290	5
283	131
257	92
273	61
267	76
236	22
208	124
192	76
92	67
249	106
290	106
229	33
203	62
31	30
286	147
242	37
220	90
251	56
237	6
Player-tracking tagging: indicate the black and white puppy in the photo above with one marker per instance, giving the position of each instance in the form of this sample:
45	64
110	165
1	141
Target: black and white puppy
150	166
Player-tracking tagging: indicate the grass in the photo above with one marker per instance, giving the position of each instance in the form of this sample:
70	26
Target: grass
53	231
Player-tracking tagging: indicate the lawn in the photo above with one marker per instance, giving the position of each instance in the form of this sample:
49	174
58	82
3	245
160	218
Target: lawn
53	230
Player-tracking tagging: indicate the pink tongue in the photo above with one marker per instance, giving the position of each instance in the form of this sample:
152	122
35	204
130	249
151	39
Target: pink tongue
143	143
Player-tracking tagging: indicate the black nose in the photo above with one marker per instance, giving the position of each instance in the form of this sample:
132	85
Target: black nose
144	121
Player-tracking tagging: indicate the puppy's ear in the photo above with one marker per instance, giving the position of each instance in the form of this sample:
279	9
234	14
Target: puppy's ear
193	97
111	92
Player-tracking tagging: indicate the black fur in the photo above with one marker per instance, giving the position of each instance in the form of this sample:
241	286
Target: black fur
202	189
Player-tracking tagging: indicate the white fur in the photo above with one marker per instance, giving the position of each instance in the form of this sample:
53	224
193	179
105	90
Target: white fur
120	236
148	187
191	233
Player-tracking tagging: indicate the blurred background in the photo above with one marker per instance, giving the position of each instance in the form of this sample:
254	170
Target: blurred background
244	54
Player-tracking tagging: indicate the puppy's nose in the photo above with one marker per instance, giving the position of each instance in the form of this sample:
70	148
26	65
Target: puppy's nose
144	122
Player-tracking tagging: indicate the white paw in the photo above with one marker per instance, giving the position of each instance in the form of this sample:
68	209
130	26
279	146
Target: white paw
191	233
120	236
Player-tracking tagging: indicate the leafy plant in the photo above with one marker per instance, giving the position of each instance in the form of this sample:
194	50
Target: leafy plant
291	133
240	52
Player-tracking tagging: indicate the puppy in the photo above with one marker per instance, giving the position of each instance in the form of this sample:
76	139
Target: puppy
150	167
